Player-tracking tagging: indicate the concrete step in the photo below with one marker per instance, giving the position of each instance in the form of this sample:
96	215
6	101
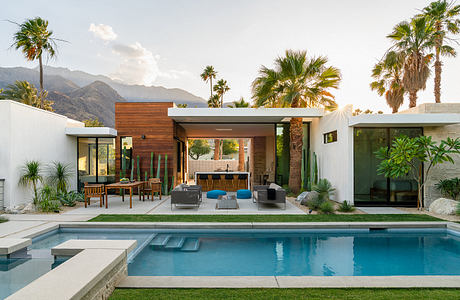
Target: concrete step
175	243
191	245
160	240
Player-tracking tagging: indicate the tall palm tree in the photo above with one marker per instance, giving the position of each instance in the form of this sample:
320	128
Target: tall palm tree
26	93
208	75
214	102
240	104
221	88
34	39
296	81
414	39
388	79
31	174
444	16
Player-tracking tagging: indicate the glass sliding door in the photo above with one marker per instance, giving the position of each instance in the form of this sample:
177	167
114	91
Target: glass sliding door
106	160
87	166
369	186
282	154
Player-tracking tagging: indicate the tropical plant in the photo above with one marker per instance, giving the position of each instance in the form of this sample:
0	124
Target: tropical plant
443	14
414	39
47	199
31	175
324	189
326	208
26	93
406	156
208	75
182	105
346	207
35	39
449	187
221	88
93	123
229	146
198	148
70	198
240	104
296	81
388	74
59	175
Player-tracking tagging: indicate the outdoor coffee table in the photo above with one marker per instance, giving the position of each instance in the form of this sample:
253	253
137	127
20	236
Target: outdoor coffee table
125	186
227	202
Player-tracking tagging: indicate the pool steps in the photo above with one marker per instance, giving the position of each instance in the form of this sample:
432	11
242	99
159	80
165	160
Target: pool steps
160	240
191	244
175	243
167	242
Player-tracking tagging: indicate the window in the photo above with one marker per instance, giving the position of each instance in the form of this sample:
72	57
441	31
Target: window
126	150
330	137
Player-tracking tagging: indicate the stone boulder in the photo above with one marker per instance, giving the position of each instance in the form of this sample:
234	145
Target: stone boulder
443	206
301	197
310	197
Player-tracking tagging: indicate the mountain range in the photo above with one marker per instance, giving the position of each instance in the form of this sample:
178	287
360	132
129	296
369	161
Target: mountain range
80	95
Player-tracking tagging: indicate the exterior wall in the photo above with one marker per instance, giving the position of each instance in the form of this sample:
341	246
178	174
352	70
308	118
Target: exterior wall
335	160
259	158
270	157
210	165
30	133
151	120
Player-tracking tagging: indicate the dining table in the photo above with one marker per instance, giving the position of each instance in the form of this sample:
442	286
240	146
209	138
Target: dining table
125	186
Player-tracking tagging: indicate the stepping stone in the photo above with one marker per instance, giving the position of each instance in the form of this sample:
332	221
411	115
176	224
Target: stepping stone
175	243
191	245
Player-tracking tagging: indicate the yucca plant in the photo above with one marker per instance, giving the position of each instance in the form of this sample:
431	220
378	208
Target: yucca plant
449	187
59	176
346	207
31	175
324	189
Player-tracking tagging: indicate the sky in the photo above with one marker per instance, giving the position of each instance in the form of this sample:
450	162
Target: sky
168	43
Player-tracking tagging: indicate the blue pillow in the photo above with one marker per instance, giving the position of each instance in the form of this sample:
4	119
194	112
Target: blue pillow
214	194
243	194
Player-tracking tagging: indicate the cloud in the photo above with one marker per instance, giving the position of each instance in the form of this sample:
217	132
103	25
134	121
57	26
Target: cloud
104	32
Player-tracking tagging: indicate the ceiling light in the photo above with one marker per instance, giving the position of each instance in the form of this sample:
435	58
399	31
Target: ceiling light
224	129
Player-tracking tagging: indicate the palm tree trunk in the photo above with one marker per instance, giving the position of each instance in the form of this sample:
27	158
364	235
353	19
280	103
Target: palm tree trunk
395	110
412	99
216	149
241	155
41	81
296	135
437	77
210	81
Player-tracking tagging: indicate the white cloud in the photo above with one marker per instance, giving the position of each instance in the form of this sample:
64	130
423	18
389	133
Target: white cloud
104	32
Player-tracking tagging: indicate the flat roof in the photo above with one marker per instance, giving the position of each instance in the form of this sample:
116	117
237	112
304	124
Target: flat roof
403	120
91	131
241	115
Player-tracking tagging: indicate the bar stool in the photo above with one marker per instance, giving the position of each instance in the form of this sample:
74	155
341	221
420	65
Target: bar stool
229	183
242	181
216	182
203	180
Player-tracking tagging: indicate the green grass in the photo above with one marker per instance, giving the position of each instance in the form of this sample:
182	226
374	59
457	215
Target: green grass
3	219
349	294
263	218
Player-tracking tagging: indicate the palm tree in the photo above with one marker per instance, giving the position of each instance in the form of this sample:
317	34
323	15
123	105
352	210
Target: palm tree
414	39
34	39
240	104
26	93
214	102
388	79
221	88
31	175
296	82
444	16
208	75
59	176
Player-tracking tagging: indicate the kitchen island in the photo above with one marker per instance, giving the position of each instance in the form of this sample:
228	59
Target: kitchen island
219	180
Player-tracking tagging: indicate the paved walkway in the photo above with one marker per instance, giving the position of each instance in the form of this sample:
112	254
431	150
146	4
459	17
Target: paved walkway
382	210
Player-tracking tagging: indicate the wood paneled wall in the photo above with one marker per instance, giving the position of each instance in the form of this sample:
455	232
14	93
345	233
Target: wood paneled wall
150	119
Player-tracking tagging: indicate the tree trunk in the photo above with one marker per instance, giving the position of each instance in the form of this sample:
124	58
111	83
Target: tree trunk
296	135
41	81
210	81
412	99
395	110
216	149
241	155
437	78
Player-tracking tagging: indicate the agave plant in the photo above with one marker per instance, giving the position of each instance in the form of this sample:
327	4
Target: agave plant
31	175
324	189
59	176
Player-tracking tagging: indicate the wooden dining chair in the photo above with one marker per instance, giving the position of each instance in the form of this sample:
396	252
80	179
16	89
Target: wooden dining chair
94	191
155	186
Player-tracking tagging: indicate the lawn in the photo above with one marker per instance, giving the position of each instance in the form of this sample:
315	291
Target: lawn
349	294
263	218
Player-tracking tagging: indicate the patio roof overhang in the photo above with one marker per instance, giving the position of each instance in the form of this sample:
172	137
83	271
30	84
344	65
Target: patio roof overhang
403	120
91	131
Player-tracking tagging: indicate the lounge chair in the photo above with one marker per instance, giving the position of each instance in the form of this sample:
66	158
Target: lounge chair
269	194
184	195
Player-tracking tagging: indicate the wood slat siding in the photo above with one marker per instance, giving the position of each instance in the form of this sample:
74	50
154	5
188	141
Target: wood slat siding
151	119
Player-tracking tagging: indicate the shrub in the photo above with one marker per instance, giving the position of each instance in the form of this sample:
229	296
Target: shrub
324	189
314	201
449	187
47	199
326	207
3	219
59	176
458	209
346	207
70	198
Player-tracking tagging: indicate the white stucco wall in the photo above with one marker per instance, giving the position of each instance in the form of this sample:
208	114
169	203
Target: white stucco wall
335	160
29	133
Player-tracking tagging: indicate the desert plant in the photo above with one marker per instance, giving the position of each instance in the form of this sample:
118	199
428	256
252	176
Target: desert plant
324	189
31	176
66	199
326	207
315	202
458	209
138	169
59	175
76	195
159	165
123	163
132	170
315	169
165	183
146	177
346	207
151	164
47	199
449	187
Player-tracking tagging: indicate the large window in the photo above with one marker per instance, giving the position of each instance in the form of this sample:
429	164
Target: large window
126	151
96	160
370	188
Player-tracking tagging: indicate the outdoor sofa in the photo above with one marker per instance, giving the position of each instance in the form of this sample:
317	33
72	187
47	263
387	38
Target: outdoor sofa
269	194
187	195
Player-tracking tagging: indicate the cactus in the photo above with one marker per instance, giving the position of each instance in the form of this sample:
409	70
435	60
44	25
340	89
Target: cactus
123	163
315	169
172	185
159	164
121	190
166	175
308	170
146	176
151	164
132	170
138	170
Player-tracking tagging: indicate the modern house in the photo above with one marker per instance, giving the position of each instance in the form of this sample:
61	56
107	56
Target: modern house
343	145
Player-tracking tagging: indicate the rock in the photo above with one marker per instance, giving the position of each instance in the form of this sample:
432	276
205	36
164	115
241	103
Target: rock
444	206
301	196
310	197
28	208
